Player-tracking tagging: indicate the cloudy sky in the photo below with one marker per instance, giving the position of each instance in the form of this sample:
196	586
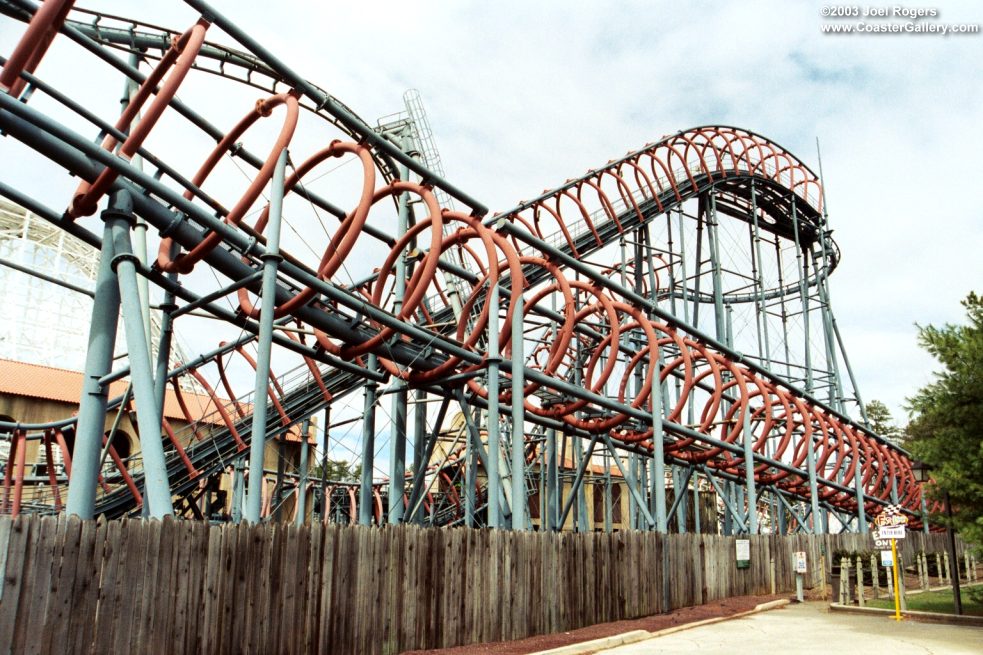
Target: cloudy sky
524	95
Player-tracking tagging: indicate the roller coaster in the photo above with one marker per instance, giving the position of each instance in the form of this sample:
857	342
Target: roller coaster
667	313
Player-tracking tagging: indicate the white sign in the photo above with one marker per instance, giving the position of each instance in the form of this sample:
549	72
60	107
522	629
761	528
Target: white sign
743	548
891	532
887	560
800	561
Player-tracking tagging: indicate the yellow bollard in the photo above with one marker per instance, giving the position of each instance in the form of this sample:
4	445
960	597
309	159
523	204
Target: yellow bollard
897	587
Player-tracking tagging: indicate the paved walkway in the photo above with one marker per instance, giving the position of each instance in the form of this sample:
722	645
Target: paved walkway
812	628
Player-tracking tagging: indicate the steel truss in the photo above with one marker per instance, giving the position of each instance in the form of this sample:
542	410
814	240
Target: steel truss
703	257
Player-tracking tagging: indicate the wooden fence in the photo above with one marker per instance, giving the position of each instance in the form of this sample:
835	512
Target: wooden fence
182	587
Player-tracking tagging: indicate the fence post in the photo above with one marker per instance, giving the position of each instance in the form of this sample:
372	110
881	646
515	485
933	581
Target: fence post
772	573
890	584
938	568
860	581
948	568
844	581
875	576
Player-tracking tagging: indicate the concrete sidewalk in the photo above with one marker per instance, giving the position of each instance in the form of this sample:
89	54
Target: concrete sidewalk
812	628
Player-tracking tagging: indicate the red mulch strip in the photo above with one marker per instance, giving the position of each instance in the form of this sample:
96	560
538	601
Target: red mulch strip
726	607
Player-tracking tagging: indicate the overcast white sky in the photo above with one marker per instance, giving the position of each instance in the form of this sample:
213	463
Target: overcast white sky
523	95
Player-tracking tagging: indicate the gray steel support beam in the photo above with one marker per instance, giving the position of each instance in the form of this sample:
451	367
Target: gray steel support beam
158	489
803	269
633	487
752	494
764	340
862	527
494	434
93	403
368	448
323	483
238	487
397	440
813	486
658	480
264	344
715	269
470	480
305	430
518	419
417	491
697	509
419	443
578	480
552	482
680	483
164	344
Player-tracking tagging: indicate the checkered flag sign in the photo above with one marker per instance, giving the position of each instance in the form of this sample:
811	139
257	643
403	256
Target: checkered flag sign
891	515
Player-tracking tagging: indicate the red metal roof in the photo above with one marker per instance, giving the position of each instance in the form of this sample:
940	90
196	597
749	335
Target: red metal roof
65	386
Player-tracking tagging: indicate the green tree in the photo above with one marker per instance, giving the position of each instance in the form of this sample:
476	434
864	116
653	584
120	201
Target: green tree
882	423
338	470
946	430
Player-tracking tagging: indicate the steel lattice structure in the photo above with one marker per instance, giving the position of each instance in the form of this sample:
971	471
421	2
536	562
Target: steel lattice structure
573	318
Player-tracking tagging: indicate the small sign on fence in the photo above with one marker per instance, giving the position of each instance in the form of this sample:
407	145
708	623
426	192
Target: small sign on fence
800	561
743	548
887	561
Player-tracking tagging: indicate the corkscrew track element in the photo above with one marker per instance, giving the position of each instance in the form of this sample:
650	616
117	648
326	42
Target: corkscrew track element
612	360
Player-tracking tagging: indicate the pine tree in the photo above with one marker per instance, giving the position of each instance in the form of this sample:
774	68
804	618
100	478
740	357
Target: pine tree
947	425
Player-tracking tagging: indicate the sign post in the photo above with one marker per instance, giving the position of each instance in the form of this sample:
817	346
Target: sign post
800	569
891	525
897	588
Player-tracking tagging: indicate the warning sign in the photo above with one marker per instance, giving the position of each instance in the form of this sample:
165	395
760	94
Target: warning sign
800	561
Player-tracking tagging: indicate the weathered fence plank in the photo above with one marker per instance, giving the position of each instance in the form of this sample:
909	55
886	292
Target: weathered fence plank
190	587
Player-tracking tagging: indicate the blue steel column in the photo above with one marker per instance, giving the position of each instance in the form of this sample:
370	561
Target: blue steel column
264	344
140	226
752	495
238	482
817	528
518	418
658	456
368	446
397	441
158	489
92	404
164	344
802	267
552	492
494	435
419	445
861	510
305	430
470	473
